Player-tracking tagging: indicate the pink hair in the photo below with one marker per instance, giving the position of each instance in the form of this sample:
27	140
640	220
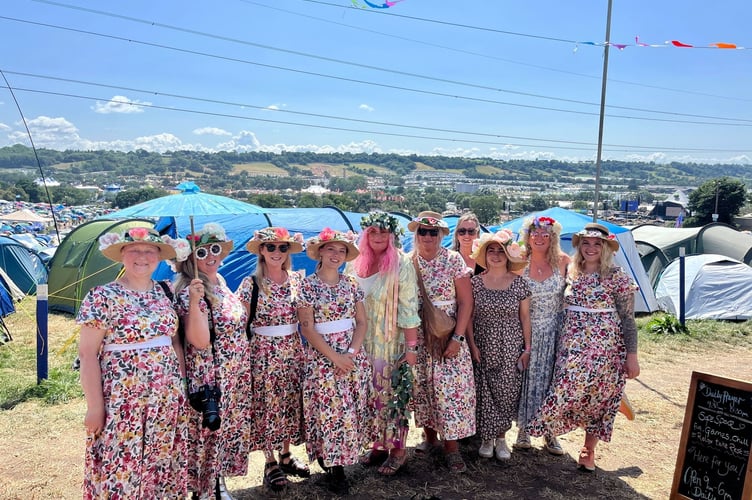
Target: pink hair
389	261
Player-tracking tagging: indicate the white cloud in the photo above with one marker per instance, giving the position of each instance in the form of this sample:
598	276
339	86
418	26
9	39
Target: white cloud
4	127
119	104
211	131
365	107
54	133
273	107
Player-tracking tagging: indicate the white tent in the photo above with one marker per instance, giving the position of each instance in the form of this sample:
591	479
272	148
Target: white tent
24	215
715	287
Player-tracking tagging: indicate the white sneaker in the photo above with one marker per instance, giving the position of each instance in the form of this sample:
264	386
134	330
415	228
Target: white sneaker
523	440
502	451
486	449
552	446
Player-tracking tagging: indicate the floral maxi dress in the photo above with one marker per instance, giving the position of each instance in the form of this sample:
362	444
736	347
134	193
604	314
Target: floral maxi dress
140	453
589	375
276	365
338	408
444	396
227	366
497	331
545	321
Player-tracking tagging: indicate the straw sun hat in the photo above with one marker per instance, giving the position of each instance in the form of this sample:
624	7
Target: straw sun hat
275	235
112	244
430	219
505	238
594	230
313	245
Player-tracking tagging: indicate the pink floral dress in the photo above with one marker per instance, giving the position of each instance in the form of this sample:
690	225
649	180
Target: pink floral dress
224	451
276	366
444	398
338	409
140	454
589	375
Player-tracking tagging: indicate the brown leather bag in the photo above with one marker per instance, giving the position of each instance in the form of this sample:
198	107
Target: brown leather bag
437	325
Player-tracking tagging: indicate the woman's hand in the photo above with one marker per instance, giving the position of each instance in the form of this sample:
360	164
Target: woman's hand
94	419
452	349
344	363
632	366
523	361
195	290
474	352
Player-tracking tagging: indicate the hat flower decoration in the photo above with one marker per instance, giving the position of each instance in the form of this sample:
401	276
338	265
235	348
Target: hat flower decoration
505	238
329	235
181	245
110	244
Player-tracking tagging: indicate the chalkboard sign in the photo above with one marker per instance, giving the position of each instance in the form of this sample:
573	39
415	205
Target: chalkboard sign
713	460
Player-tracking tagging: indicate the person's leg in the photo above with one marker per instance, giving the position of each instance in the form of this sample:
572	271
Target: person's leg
274	478
452	454
290	464
587	453
397	458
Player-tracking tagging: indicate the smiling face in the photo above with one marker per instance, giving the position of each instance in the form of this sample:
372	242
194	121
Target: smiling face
539	241
428	240
207	259
496	257
141	259
467	231
591	250
272	255
333	255
378	239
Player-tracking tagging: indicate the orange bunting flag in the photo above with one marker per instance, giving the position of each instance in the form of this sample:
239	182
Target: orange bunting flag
721	45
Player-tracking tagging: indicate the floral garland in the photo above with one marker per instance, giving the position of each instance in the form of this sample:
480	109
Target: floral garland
543	222
402	390
382	220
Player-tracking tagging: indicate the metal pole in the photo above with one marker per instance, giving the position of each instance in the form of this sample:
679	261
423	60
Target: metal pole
681	286
602	113
42	343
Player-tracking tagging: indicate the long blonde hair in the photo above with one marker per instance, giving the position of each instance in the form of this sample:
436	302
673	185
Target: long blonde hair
604	269
187	270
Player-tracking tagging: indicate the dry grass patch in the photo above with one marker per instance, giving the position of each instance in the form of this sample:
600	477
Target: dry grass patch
259	168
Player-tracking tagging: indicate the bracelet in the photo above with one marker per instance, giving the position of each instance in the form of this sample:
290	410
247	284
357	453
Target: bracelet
458	338
350	350
526	351
411	349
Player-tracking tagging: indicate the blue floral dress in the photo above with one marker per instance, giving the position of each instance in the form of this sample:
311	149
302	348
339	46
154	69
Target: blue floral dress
276	366
546	316
589	375
140	453
225	451
338	409
444	396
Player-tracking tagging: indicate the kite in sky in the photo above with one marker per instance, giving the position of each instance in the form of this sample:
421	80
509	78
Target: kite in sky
385	5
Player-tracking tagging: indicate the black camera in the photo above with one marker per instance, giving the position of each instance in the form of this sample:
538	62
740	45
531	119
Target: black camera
206	400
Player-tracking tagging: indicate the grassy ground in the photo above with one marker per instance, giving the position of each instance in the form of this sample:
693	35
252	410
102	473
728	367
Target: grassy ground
42	439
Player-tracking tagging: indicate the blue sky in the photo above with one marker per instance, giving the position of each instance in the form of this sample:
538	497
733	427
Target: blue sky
499	79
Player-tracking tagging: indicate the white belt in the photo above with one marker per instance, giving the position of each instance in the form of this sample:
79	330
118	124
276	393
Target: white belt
161	341
276	331
439	303
588	310
328	327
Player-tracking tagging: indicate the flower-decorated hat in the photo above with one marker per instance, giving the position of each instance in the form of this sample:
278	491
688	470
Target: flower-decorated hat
543	222
112	244
515	251
430	219
275	235
212	234
329	235
595	230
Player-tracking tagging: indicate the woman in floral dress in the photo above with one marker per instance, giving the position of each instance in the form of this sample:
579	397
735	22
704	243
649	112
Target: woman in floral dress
501	334
337	385
131	376
388	279
276	353
444	400
598	346
545	275
217	357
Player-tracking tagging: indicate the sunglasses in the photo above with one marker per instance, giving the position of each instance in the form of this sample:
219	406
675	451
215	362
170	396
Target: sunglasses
463	231
203	252
271	247
422	231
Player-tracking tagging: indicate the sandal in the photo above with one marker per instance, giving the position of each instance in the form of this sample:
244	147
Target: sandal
293	466
455	463
373	458
323	466
587	460
274	478
392	464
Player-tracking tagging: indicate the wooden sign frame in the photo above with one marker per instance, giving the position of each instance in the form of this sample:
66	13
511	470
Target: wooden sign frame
702	483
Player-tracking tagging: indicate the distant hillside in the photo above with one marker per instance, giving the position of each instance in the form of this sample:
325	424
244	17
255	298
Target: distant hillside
225	170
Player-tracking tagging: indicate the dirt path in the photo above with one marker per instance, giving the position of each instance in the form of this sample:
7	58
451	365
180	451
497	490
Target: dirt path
41	449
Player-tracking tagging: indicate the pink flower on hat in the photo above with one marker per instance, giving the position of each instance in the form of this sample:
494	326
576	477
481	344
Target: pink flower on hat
138	233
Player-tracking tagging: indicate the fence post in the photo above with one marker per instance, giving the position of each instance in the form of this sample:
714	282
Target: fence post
42	344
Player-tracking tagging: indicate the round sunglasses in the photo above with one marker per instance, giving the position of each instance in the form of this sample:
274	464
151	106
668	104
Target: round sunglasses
203	252
271	247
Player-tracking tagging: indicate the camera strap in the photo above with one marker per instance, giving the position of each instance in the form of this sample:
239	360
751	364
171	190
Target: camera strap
254	305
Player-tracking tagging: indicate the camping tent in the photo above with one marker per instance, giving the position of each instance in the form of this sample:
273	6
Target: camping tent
716	287
78	265
24	215
627	256
660	245
24	266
